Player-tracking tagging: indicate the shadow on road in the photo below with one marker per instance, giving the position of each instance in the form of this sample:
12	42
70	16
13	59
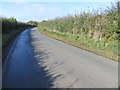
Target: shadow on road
23	68
45	78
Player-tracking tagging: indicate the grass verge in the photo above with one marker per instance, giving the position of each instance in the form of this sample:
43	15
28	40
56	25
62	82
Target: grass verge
109	49
7	39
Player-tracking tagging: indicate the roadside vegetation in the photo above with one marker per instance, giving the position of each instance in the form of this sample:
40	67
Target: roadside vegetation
96	31
35	23
10	29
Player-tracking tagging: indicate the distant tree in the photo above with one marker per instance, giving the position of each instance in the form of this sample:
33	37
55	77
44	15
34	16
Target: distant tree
33	23
44	21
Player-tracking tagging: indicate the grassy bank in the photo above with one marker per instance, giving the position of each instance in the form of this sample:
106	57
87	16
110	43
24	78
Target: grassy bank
7	38
10	29
92	31
87	43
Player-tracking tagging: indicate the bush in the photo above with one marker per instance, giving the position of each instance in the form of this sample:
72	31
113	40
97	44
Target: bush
97	25
91	30
10	29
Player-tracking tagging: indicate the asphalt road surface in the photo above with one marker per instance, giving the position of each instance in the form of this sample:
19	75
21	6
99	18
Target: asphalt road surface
38	61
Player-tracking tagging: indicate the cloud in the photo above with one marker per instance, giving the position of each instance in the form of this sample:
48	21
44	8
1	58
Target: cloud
59	0
25	11
16	1
40	9
37	12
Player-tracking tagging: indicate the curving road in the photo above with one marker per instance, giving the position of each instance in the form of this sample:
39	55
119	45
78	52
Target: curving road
38	61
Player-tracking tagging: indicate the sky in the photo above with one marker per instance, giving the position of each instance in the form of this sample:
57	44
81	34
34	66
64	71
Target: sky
37	11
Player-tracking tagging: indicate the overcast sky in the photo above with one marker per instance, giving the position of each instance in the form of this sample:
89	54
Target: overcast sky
25	11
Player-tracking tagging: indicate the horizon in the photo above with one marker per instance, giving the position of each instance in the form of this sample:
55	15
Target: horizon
39	11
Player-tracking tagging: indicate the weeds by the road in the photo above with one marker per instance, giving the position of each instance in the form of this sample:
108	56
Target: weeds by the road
93	31
87	43
10	29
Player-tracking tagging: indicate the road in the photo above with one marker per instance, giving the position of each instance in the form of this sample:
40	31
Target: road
36	60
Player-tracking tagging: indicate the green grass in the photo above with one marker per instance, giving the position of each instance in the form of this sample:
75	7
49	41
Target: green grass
7	38
109	50
92	31
10	29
